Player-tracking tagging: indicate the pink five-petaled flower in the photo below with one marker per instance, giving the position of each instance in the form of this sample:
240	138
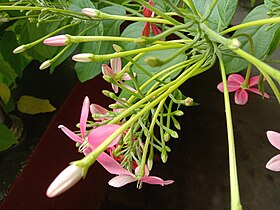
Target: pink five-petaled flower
235	84
94	138
128	177
147	26
274	163
116	66
60	40
65	180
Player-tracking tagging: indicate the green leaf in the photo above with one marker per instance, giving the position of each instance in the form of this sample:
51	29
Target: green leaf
17	61
7	138
262	40
39	52
134	30
8	73
77	6
5	92
32	105
86	71
221	15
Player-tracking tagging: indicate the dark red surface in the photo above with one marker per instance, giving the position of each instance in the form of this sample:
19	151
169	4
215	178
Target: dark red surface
53	153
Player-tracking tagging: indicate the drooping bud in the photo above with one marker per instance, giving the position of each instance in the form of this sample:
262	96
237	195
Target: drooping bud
65	180
19	49
45	65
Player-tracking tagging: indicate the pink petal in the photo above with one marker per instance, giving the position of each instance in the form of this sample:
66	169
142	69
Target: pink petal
97	109
99	134
111	165
156	180
236	78
253	81
60	40
71	134
106	70
232	86
274	138
121	180
147	12
146	30
89	12
274	164
241	97
128	87
115	88
155	29
126	76
116	64
84	116
255	90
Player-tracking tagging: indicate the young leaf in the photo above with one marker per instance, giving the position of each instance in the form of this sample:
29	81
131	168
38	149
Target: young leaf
7	138
32	105
5	93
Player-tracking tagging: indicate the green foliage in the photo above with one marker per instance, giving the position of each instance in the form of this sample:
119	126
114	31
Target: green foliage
221	15
264	40
134	30
86	71
7	138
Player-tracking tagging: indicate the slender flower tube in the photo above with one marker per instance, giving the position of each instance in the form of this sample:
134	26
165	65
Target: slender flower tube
65	180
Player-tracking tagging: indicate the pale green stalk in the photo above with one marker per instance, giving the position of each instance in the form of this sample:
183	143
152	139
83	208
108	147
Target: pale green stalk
234	188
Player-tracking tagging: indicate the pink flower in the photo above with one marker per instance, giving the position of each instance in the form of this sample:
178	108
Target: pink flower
274	163
128	177
147	26
94	138
60	40
235	84
64	181
116	66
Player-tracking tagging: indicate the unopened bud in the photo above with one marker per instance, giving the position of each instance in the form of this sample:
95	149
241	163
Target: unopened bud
178	113
91	12
234	44
45	65
4	20
153	61
117	48
164	156
188	101
166	137
65	180
83	57
19	49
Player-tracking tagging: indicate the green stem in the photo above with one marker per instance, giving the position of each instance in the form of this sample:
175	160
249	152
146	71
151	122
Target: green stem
158	12
79	39
265	69
234	188
148	138
252	23
102	15
98	58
